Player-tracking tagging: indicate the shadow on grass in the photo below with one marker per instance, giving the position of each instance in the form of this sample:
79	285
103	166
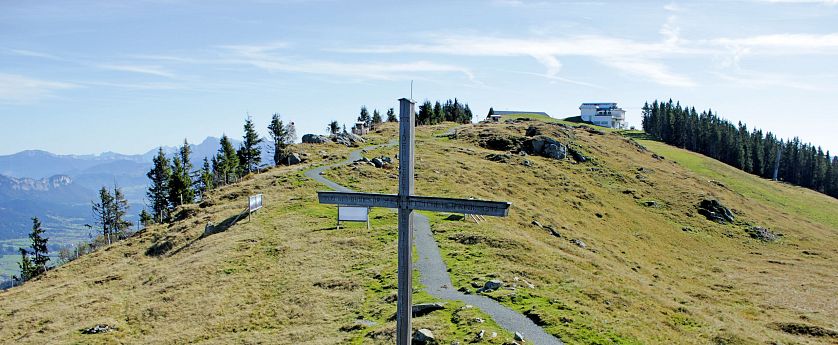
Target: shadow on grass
166	244
638	135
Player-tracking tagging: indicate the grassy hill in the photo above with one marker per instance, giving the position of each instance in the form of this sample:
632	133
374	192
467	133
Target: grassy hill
653	270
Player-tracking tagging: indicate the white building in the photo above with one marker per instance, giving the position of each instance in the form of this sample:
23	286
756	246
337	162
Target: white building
604	114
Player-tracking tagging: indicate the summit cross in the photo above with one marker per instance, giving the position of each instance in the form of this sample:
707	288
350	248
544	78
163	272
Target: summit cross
406	203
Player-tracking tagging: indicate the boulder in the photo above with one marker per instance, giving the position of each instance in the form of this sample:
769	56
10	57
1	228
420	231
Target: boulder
426	308
498	157
293	159
347	139
98	329
492	285
377	162
577	156
314	139
579	243
387	160
715	211
555	151
533	131
423	336
762	234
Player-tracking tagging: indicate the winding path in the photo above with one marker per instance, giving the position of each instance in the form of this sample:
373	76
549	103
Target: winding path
433	273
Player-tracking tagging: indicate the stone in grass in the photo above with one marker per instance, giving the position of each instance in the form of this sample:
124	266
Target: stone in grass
579	243
491	285
519	336
762	234
426	308
377	162
423	336
102	328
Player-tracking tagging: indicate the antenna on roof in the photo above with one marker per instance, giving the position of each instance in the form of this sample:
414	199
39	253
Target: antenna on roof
411	89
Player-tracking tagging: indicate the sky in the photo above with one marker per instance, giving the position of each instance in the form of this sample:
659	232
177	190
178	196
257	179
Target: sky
80	77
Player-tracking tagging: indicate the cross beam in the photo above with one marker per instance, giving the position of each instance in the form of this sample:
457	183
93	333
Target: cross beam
406	202
421	203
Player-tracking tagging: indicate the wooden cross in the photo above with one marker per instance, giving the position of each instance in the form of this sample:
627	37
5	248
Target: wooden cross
406	203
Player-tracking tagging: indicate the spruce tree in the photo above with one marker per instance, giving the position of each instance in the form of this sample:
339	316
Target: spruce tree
333	127
158	192
103	213
228	161
207	179
278	133
145	218
186	176
376	118
365	117
177	186
391	115
250	154
40	252
27	269
119	211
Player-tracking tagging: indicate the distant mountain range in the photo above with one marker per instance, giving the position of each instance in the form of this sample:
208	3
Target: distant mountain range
59	188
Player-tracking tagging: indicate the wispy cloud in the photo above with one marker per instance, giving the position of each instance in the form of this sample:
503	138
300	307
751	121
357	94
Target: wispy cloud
759	80
18	89
30	53
268	57
823	2
651	70
785	43
142	69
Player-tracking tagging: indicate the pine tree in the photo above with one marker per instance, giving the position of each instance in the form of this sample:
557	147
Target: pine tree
27	269
119	211
425	114
365	117
102	211
206	181
158	193
492	110
145	218
227	161
278	135
376	118
177	185
40	252
250	154
333	127
391	115
437	116
186	176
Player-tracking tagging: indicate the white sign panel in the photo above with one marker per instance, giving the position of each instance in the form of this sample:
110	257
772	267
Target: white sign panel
353	214
255	202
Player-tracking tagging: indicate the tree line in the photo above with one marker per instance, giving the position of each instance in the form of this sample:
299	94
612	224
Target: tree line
450	110
175	182
753	151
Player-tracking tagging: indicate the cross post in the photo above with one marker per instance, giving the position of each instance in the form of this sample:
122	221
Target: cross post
405	202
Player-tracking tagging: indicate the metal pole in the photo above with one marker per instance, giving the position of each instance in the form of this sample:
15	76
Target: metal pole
405	272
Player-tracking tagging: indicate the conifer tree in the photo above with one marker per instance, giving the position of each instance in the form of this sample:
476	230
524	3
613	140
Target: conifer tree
103	213
227	161
145	218
278	133
376	118
27	269
40	252
250	154
492	110
158	193
119	211
186	176
333	127
391	115
206	181
177	186
365	117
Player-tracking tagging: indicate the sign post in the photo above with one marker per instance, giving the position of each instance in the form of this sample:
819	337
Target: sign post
406	202
254	203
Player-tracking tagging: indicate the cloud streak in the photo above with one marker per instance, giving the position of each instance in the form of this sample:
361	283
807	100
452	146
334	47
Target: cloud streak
141	69
19	89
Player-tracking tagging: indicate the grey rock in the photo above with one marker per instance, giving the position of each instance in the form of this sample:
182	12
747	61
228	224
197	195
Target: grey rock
577	155
650	203
377	162
579	243
519	336
555	151
426	308
536	223
102	328
423	336
553	231
499	157
293	159
527	163
762	234
492	285
387	160
533	131
714	210
314	139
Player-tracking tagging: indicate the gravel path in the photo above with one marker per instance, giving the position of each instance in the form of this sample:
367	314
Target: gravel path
433	273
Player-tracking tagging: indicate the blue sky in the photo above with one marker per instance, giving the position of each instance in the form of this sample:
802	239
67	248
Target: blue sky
126	76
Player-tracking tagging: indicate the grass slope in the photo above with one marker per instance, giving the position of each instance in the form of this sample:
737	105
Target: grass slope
289	277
